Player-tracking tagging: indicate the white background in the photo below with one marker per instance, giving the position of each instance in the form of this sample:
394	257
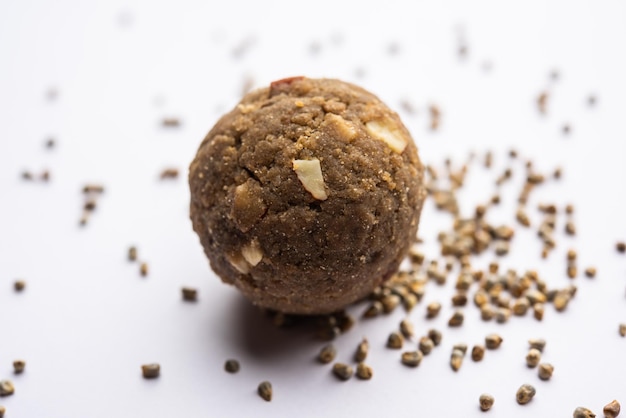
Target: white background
87	320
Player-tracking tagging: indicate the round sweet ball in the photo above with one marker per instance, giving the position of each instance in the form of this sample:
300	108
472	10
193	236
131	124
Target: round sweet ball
307	195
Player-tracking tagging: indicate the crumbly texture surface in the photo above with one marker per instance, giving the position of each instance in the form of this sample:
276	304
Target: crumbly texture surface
307	195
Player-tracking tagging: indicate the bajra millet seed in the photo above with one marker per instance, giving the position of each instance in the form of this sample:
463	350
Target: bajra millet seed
538	310
435	336
361	351
364	372
373	310
412	358
406	328
6	388
525	394
590	272
478	352
345	321
93	188
342	371
622	329
395	340
231	366
19	285
90	205
265	391
520	306
487	312
456	359
538	343
561	300
486	402
493	341
132	253
170	122
190	294
545	371
327	354
533	357
151	371
502	315
432	309
462	347
18	366
582	412
459	299
572	271
570	228
390	303
456	320
571	255
169	173
612	409
426	345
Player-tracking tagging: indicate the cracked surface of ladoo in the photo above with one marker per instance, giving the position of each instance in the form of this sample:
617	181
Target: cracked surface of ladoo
307	195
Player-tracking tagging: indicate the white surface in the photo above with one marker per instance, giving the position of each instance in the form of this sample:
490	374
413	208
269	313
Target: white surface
87	320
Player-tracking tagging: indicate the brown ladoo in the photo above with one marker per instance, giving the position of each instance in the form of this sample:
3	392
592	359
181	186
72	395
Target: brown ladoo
307	195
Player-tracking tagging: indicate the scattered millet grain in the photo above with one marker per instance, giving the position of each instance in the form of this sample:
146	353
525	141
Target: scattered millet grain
132	253
231	366
373	310
6	388
395	340
525	394
545	371
433	309
190	294
426	345
342	371
364	372
327	354
412	358
486	402
502	315
19	285
542	102
361	351
478	352
533	357
151	371
456	320
462	347
612	409
582	412
170	122
406	328
456	359
538	343
18	366
435	336
493	341
265	391
169	173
